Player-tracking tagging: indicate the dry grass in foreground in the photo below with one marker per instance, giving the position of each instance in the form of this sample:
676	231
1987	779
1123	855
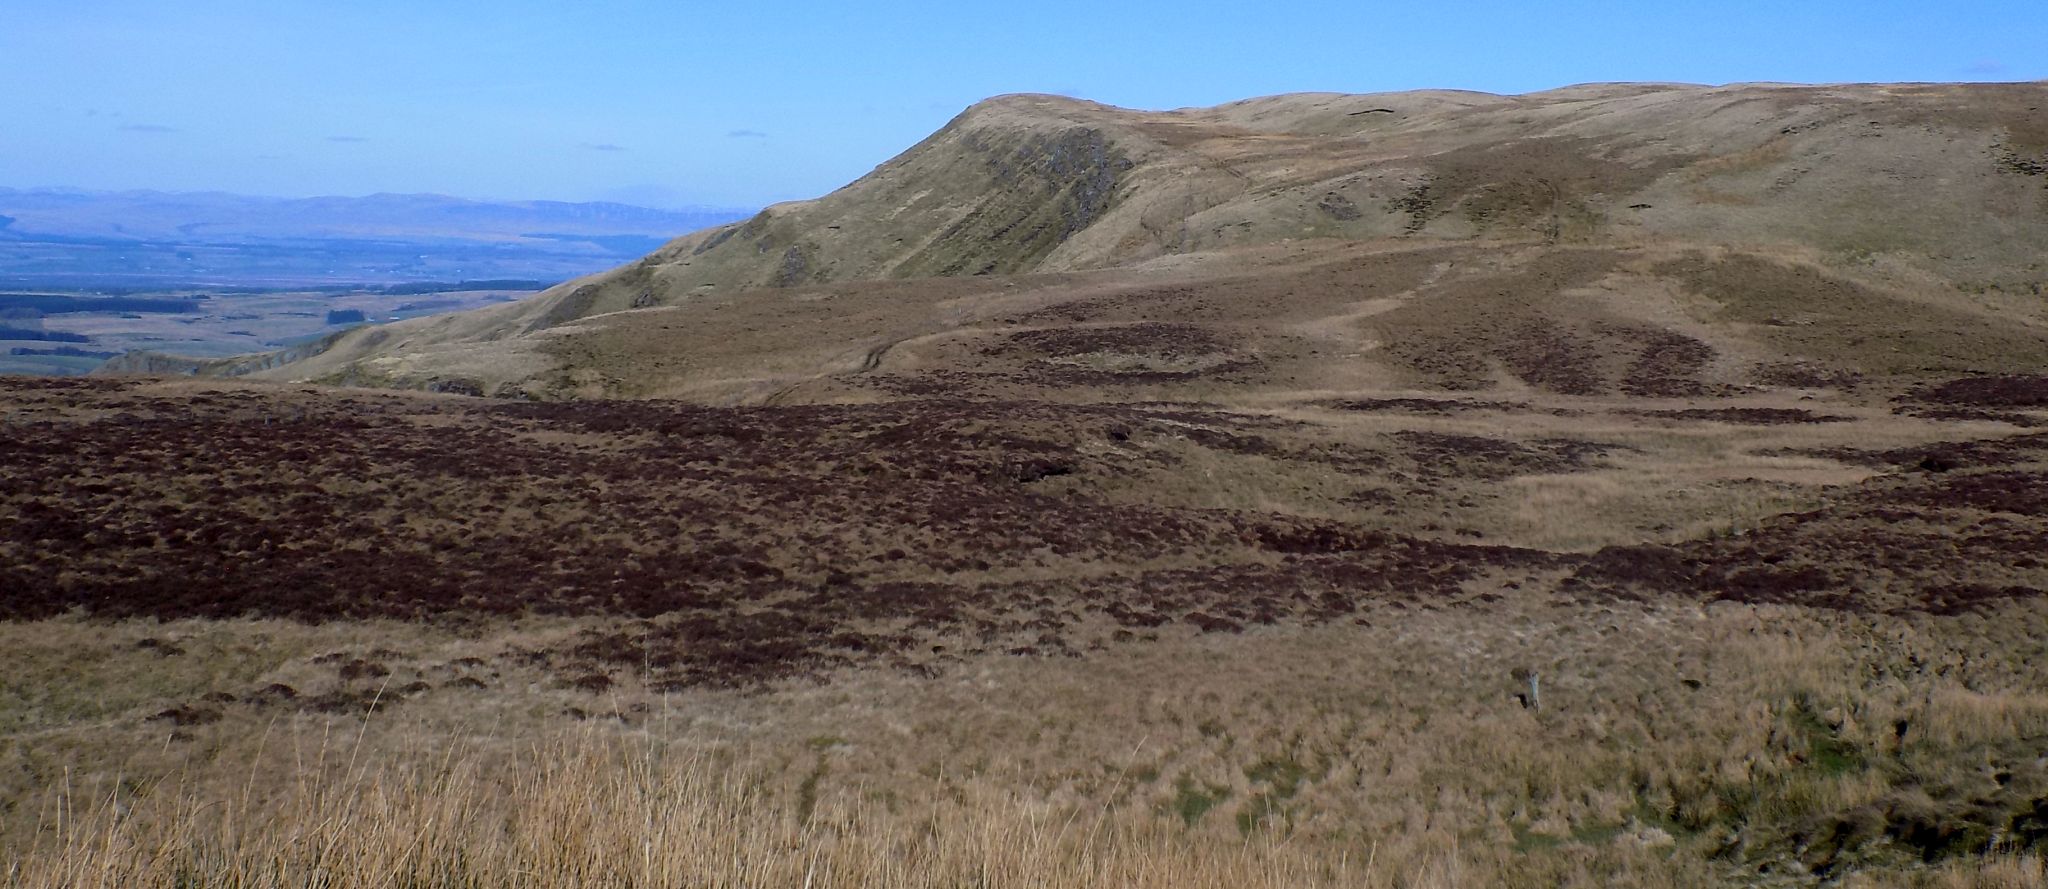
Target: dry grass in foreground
592	814
1676	746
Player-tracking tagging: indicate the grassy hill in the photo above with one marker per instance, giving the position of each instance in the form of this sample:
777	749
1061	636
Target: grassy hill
1744	235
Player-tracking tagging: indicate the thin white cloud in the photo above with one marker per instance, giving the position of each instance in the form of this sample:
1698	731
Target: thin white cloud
147	128
746	134
603	146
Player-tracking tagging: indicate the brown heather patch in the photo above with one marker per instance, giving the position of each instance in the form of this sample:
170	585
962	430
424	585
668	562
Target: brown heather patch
2007	391
1527	321
1992	398
1668	366
1434	406
1943	456
1933	541
1969	414
751	544
1747	416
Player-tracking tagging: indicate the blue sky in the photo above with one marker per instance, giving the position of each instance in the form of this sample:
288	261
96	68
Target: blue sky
742	104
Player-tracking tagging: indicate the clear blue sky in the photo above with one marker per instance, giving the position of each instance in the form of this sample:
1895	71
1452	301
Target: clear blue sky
744	103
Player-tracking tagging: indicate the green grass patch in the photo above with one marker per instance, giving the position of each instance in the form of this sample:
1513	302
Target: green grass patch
1191	801
1826	752
1285	776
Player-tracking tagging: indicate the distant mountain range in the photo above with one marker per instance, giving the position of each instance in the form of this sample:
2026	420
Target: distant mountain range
149	239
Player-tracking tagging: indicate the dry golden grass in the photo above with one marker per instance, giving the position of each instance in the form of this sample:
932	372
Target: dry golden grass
1383	754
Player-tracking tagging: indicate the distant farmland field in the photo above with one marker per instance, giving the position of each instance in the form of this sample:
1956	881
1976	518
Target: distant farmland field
64	304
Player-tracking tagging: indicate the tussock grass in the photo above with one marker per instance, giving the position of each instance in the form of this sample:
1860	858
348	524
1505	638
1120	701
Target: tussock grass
1677	746
591	812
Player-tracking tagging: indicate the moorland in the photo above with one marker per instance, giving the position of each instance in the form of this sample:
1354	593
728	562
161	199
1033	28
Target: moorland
1627	485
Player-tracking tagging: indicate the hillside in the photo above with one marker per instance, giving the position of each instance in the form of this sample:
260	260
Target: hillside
1714	237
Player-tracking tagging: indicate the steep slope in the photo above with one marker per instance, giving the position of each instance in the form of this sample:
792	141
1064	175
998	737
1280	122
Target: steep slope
1776	224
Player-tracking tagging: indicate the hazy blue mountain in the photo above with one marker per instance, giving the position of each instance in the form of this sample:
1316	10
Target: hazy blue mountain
143	239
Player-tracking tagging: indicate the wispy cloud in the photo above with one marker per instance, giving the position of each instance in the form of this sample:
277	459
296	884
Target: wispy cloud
348	138
603	146
1987	68
147	128
746	134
